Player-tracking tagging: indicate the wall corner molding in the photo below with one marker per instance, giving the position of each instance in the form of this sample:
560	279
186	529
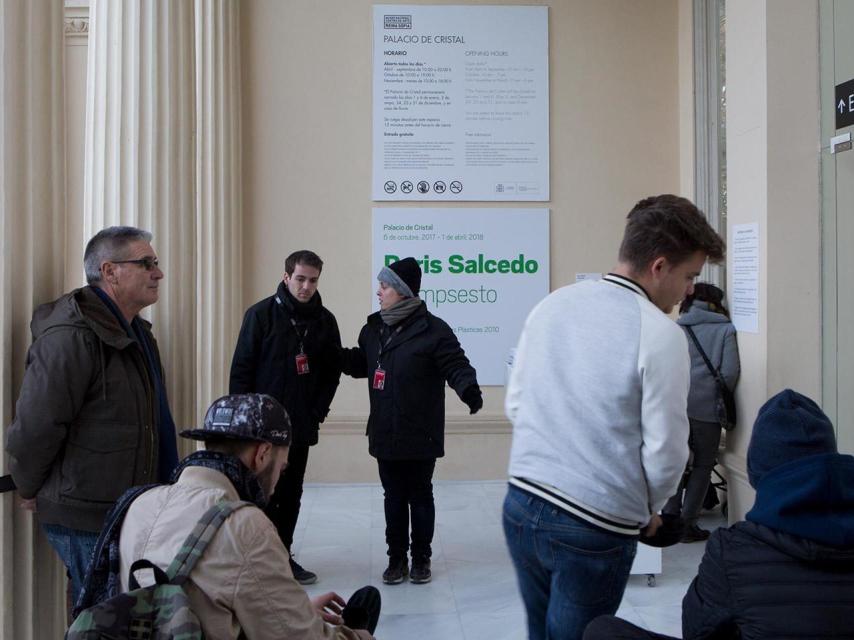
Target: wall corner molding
76	27
76	21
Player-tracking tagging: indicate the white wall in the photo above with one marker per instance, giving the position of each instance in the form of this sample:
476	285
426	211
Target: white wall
773	169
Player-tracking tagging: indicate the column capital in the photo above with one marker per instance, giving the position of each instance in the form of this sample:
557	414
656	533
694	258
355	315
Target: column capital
76	21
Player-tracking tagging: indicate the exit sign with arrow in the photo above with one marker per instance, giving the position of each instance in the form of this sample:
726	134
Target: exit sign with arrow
844	104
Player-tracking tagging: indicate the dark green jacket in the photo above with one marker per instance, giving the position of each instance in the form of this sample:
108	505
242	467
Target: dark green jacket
85	428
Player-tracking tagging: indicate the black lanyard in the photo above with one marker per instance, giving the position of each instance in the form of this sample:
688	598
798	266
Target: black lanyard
383	345
302	335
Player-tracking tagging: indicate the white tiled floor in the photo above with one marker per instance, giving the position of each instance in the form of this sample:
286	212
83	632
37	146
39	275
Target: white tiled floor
473	595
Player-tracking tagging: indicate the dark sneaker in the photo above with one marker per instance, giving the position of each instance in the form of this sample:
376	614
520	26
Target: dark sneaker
398	569
420	571
303	576
693	533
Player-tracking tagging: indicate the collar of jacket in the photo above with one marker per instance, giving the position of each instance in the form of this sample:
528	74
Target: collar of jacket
102	321
626	283
699	313
242	479
83	308
411	326
310	309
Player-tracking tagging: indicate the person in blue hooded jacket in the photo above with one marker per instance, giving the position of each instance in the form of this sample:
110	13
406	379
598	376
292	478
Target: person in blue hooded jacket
787	571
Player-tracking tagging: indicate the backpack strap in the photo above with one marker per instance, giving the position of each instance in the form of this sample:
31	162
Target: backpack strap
196	543
715	373
160	576
97	582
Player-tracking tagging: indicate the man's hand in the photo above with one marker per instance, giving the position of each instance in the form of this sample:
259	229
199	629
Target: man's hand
28	504
652	526
329	606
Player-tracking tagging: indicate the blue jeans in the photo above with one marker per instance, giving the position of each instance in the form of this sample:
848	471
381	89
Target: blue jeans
75	549
569	570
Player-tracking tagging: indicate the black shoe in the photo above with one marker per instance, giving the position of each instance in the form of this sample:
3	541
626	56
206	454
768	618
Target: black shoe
398	569
301	575
693	533
420	571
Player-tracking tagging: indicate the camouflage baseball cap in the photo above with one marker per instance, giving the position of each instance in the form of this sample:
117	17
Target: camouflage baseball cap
249	416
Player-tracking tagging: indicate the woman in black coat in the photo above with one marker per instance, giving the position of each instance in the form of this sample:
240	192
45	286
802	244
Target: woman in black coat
407	354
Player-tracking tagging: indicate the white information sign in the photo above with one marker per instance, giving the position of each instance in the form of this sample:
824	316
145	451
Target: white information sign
483	272
744	299
460	103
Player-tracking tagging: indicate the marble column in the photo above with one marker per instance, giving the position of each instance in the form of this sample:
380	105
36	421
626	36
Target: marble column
140	161
32	228
218	194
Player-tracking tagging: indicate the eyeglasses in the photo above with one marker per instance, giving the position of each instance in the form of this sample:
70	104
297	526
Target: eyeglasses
149	263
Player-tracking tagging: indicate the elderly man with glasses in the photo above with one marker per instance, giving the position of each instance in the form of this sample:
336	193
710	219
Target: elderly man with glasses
92	418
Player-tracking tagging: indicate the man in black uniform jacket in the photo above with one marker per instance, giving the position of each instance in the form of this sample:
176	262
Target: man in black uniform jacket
288	348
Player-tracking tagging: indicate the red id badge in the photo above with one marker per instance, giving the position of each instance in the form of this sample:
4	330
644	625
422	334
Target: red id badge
302	364
379	379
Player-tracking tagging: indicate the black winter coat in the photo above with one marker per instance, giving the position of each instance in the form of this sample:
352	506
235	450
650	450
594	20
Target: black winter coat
792	580
407	419
265	359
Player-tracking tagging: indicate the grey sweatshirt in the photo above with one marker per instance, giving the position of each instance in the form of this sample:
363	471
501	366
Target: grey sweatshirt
597	400
717	337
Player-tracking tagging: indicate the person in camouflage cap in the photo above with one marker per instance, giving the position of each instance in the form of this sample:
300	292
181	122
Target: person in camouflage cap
242	586
248	416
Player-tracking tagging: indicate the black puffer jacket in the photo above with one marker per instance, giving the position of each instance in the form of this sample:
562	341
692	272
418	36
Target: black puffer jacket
265	359
407	420
85	422
756	581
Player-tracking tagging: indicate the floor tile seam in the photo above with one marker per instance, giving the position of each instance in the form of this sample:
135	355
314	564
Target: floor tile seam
452	586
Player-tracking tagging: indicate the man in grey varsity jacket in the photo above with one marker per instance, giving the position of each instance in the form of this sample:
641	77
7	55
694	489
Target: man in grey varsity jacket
597	398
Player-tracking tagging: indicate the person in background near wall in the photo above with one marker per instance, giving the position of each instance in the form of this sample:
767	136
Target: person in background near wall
408	354
703	313
288	348
787	570
597	399
92	418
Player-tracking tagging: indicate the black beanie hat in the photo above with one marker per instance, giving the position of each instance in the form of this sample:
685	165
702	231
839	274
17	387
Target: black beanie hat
409	271
788	427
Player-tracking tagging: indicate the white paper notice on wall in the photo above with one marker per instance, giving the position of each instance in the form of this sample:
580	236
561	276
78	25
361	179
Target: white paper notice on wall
460	103
480	277
590	275
744	296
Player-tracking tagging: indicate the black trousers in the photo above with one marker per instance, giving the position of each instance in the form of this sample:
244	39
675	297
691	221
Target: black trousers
283	508
704	439
408	486
613	628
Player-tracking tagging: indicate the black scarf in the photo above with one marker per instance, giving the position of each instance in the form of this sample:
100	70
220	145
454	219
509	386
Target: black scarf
244	481
304	310
400	311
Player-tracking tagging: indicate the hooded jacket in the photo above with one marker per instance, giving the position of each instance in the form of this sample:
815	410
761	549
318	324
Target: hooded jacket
788	571
407	418
716	335
85	426
265	359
